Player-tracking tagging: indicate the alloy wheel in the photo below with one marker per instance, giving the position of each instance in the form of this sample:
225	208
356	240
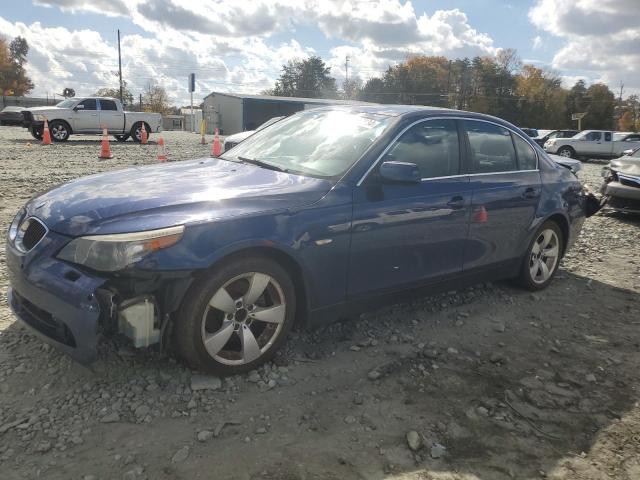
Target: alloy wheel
59	132
243	318
565	153
544	256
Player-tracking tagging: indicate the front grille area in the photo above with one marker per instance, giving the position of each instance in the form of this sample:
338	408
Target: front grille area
27	116
33	233
43	321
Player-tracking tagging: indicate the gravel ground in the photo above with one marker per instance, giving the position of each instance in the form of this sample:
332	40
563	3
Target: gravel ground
490	382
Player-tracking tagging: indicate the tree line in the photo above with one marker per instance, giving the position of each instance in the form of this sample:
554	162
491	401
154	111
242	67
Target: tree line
502	86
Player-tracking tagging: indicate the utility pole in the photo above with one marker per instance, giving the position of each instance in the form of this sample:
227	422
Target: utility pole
141	103
621	90
449	86
120	66
346	76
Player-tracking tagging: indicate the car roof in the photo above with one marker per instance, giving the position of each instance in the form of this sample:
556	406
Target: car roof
413	110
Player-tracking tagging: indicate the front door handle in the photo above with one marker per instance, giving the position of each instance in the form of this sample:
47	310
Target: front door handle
456	203
530	193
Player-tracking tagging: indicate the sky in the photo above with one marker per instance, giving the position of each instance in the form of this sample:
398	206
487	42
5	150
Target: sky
240	46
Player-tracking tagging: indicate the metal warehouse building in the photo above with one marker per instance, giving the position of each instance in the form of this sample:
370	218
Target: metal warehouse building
232	113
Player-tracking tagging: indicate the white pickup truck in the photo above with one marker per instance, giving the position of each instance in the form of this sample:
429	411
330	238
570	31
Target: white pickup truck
89	115
593	143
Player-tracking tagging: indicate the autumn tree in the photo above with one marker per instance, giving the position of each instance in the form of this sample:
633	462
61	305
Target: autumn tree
155	99
542	99
625	122
309	78
13	77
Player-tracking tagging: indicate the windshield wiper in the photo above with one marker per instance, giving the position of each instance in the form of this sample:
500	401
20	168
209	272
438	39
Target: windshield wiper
263	164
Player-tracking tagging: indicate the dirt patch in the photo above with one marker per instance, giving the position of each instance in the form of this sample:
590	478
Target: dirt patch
496	382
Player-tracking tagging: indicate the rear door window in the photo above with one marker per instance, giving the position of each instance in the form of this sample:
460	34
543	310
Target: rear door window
108	105
432	145
607	136
491	147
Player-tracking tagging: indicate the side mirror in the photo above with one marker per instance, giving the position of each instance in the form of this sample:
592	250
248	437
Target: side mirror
400	172
78	107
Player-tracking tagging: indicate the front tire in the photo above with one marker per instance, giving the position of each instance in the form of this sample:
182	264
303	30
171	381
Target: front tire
236	318
36	132
567	152
60	131
542	259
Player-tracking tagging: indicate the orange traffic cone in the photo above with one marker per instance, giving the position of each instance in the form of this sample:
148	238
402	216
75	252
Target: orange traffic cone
144	138
46	136
481	215
216	150
105	151
162	153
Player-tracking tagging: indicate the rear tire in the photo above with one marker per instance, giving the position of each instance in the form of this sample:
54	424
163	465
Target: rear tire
543	256
136	131
236	317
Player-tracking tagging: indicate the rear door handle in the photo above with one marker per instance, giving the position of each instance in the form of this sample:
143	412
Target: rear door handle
531	193
456	203
94	114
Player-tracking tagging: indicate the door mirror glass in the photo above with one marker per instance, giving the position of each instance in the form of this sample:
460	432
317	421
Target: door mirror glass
400	172
78	107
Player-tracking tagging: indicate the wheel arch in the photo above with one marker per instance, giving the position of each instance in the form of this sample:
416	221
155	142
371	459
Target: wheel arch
285	260
66	122
563	223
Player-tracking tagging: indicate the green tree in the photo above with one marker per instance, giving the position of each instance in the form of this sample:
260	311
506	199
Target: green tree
309	78
600	107
542	99
127	96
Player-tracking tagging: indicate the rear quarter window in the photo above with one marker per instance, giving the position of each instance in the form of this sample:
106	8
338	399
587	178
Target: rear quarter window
527	159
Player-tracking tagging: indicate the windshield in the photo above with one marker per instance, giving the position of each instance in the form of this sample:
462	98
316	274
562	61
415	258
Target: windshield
66	104
636	153
322	143
543	133
271	121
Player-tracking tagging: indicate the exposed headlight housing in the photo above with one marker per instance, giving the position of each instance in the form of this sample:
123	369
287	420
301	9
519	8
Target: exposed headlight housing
15	225
109	253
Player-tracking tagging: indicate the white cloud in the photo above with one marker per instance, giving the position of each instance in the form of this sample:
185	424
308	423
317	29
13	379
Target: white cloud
537	42
230	45
601	38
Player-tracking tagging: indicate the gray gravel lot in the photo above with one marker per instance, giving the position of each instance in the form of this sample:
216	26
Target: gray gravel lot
489	382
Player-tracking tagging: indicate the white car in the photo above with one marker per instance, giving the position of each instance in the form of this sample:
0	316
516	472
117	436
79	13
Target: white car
89	115
593	143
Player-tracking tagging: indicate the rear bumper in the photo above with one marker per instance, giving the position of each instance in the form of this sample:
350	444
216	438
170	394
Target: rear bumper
57	302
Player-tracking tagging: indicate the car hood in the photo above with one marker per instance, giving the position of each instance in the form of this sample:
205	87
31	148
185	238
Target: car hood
570	163
628	165
238	137
158	196
42	109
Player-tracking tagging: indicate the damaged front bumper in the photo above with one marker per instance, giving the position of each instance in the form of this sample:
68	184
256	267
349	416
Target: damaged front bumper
71	309
622	196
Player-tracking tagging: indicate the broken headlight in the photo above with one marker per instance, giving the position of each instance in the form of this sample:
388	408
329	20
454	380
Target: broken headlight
109	253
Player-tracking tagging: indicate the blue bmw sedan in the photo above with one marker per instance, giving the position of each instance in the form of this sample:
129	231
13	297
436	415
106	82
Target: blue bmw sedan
318	213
